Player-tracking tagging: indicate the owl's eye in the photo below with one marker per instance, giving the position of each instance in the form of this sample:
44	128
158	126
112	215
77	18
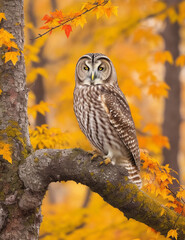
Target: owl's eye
100	68
86	68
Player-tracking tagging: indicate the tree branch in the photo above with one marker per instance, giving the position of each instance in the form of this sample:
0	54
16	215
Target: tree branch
73	18
110	182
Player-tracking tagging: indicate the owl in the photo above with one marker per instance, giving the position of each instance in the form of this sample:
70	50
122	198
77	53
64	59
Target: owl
104	115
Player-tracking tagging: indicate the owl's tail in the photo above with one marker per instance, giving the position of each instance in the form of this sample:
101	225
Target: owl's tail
133	174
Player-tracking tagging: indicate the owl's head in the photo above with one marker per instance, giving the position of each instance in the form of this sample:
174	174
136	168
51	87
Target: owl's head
95	69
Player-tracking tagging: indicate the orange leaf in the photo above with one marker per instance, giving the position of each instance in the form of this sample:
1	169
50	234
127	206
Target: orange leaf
47	18
44	27
67	29
159	89
161	141
162	212
11	56
163	57
180	61
5	151
152	128
172	233
181	194
57	14
2	15
87	6
111	10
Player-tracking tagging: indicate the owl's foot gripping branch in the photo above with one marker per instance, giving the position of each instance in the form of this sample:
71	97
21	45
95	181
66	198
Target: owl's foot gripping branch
110	182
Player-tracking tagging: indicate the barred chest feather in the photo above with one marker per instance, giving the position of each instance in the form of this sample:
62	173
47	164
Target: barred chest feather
94	122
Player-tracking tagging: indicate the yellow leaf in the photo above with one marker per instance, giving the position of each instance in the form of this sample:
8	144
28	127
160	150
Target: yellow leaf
42	108
2	16
0	91
146	176
31	77
131	89
81	21
181	15
172	233
111	10
162	212
5	151
172	14
87	6
12	44
162	57
180	61
161	141
11	56
159	89
100	11
170	204
181	194
170	198
147	76
5	36
152	128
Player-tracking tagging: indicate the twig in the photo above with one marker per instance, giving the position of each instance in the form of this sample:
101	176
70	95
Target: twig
71	19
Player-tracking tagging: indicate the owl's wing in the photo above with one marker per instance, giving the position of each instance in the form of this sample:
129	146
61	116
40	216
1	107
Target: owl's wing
116	106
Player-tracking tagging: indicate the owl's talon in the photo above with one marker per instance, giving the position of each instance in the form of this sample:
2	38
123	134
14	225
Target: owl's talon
94	156
101	163
107	161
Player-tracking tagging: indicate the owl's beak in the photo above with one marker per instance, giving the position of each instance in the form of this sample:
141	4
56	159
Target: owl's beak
92	76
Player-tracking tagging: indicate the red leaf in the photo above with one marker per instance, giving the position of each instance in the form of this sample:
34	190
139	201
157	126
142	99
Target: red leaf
47	18
67	29
57	14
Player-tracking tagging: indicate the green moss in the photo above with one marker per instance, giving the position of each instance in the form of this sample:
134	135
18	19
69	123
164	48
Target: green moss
12	133
25	153
78	161
110	187
2	196
36	160
121	187
31	218
11	209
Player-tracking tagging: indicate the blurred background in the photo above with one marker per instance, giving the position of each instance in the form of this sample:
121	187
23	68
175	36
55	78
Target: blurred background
146	43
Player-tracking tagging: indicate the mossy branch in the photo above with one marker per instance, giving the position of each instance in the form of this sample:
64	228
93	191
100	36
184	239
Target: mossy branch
110	182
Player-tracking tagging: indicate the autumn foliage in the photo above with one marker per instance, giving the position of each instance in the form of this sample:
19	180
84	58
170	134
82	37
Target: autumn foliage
68	21
137	51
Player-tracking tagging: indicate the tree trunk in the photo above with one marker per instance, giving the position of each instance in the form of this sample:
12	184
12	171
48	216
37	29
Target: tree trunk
14	223
38	87
171	124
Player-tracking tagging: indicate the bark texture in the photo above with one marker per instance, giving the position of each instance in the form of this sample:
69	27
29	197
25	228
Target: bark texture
110	182
171	124
14	223
38	86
